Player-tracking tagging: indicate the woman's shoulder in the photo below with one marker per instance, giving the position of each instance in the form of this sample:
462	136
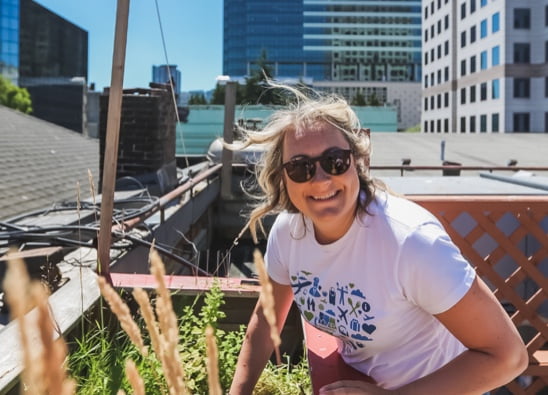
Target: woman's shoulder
400	211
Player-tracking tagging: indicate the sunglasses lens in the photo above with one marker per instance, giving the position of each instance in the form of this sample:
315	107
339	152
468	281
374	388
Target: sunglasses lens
336	162
300	170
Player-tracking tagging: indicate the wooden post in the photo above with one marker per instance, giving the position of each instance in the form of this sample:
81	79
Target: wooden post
112	138
228	136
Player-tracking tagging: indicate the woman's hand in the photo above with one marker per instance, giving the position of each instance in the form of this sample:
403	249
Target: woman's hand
353	387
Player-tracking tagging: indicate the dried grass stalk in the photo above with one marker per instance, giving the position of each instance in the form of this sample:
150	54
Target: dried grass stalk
169	330
120	309
212	362
267	302
134	378
44	362
150	320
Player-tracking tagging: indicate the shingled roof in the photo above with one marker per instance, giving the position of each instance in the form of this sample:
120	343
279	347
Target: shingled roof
41	163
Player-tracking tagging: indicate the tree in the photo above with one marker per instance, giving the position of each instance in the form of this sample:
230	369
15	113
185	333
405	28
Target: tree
359	100
373	100
197	98
256	89
14	97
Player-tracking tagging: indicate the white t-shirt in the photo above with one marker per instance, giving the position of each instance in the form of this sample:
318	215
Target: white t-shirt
376	289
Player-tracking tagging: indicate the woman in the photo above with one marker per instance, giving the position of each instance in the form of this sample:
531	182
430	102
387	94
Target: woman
375	270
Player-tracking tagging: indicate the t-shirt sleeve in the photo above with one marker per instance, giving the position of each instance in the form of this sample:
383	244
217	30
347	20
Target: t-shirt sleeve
276	266
435	275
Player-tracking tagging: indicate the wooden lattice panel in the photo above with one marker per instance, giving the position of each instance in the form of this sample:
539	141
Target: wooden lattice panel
506	239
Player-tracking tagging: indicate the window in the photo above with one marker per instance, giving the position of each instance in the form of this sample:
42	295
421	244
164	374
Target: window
546	16
446	47
495	89
546	51
462	10
473	34
432	31
462	39
483	3
522	18
495	56
446	73
472	6
446	22
521	122
462	124
439	26
426	126
463	96
426	58
483	123
426	12
483	28
463	67
483	91
483	60
439	76
522	52
473	64
473	124
439	100
439	4
426	81
425	35
425	104
439	51
522	88
431	102
546	122
432	126
446	124
446	99
495	123
545	86
495	22
473	94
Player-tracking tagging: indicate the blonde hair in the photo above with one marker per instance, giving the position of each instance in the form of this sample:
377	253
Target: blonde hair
305	111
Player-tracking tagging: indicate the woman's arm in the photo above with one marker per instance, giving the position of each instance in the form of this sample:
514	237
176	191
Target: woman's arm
496	354
257	346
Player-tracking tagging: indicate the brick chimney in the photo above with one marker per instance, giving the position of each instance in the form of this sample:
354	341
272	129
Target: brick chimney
146	150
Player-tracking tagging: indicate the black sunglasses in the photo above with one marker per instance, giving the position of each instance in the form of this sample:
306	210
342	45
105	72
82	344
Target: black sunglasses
334	161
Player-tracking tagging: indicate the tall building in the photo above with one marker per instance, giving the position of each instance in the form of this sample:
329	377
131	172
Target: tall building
366	47
161	74
9	39
484	64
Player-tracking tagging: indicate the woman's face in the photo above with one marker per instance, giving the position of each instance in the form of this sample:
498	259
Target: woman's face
328	200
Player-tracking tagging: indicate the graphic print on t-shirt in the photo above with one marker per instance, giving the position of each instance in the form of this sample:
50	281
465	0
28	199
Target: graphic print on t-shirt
342	310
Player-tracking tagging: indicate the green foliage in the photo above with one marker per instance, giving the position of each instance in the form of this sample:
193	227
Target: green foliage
192	342
373	100
359	100
197	98
285	379
98	358
14	97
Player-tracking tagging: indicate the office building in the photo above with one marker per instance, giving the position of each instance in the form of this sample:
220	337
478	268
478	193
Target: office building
9	39
484	65
367	47
163	73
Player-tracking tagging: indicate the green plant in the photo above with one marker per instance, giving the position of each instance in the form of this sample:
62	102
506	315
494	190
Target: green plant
97	359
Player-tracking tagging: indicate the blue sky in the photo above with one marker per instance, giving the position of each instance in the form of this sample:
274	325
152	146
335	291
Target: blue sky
193	31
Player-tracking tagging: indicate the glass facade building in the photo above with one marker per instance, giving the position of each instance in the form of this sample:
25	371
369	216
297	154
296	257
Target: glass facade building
355	40
50	45
9	39
162	73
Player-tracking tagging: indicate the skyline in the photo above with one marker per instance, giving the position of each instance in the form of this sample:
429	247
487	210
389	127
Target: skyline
197	56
